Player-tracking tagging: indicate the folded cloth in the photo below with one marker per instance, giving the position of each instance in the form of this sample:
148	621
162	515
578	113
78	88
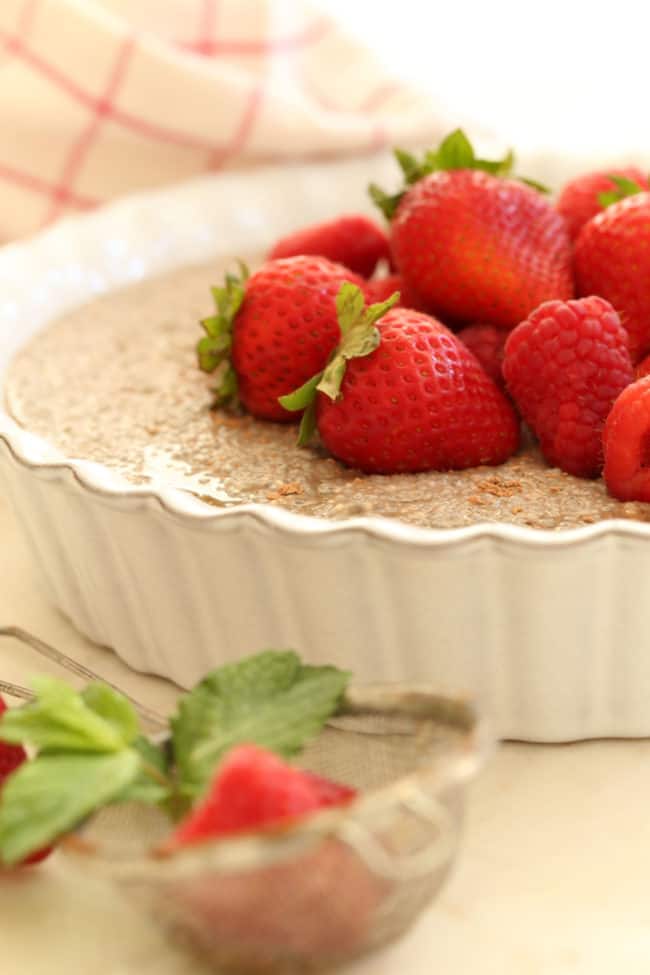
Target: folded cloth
104	97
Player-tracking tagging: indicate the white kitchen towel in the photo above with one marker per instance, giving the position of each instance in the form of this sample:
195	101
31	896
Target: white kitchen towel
99	98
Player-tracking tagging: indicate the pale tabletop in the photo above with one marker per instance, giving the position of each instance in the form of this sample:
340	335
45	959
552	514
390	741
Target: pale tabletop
552	878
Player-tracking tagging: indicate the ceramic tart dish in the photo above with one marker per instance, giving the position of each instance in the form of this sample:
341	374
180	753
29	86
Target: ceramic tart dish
542	625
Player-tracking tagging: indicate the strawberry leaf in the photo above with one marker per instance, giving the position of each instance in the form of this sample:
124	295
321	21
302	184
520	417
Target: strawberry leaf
359	337
303	396
215	346
624	187
386	202
350	305
454	152
270	699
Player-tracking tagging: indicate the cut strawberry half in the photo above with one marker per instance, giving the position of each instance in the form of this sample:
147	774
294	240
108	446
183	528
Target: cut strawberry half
626	442
253	789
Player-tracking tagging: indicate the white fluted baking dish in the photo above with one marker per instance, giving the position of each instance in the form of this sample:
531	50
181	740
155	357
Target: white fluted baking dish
548	628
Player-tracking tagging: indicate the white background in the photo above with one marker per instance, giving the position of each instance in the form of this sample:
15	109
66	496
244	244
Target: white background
571	76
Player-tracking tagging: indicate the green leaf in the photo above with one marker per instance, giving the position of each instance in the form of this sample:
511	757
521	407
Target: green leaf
153	784
215	346
408	164
333	375
227	388
271	699
624	187
386	202
534	184
350	305
50	795
307	427
212	350
114	708
59	719
301	397
455	152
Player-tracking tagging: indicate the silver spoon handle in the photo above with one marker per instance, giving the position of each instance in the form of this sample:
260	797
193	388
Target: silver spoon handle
72	666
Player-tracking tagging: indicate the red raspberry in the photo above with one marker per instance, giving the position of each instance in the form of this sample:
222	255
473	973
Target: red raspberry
625	439
486	342
252	789
578	202
351	239
564	366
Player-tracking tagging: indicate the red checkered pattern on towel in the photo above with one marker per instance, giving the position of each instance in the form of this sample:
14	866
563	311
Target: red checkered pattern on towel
103	97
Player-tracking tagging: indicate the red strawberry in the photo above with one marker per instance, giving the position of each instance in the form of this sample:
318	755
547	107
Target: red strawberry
612	259
379	289
564	366
486	342
405	396
579	200
625	440
277	327
351	239
11	758
253	789
474	245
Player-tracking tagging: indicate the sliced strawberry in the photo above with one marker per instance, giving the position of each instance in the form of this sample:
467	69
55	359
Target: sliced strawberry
253	789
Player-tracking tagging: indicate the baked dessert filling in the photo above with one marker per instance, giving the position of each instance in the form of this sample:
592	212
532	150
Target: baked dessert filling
116	382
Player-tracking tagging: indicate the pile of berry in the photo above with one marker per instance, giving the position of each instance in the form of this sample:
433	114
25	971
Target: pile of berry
484	304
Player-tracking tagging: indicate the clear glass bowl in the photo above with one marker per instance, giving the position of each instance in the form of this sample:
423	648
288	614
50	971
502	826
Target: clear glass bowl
333	886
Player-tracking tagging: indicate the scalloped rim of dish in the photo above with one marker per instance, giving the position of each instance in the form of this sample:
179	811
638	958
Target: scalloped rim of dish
39	455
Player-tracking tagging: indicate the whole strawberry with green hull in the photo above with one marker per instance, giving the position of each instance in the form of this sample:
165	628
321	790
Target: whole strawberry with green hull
612	259
564	366
404	395
580	199
272	331
351	239
474	244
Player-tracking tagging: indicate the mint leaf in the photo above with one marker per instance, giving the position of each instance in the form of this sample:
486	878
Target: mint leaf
271	699
59	719
50	795
114	708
